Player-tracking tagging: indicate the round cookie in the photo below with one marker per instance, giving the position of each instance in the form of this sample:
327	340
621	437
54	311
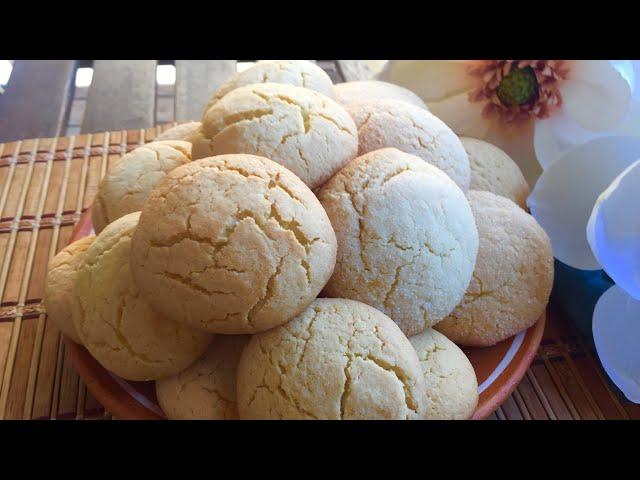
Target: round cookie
114	322
299	73
232	244
349	92
512	279
398	124
184	131
206	390
126	187
58	287
494	171
339	359
304	131
452	386
407	241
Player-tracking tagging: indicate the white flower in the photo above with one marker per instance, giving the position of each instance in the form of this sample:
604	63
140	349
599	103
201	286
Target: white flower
535	110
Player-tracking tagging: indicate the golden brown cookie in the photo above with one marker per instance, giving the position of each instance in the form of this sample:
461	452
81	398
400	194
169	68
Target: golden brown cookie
58	288
116	325
398	124
494	171
206	390
350	92
452	386
300	129
232	244
513	276
179	132
299	73
407	240
125	188
339	359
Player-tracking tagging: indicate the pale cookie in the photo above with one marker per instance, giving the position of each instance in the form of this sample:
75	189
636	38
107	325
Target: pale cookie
299	73
58	288
232	244
407	241
452	386
513	276
116	324
398	124
207	389
179	132
126	187
304	131
349	92
339	359
494	171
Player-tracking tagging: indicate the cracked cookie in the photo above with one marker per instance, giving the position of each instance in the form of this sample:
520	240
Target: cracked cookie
407	240
414	130
451	383
299	73
116	324
349	92
494	171
184	131
61	275
125	188
232	244
305	131
339	359
207	389
513	276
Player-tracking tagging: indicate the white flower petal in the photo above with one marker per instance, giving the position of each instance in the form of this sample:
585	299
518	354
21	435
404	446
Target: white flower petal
595	95
565	193
613	230
616	333
461	116
630	123
432	80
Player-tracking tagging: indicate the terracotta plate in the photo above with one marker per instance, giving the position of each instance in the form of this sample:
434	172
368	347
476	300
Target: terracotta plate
499	369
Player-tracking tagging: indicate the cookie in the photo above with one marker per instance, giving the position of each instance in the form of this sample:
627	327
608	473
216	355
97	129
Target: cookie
299	73
118	327
407	240
300	129
179	132
513	276
232	244
206	390
452	386
125	188
339	359
494	171
61	276
349	92
398	124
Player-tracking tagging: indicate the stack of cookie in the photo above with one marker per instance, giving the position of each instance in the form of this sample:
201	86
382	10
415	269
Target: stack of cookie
305	252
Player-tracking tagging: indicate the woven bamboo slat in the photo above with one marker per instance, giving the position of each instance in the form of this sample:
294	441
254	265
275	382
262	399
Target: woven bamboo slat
46	185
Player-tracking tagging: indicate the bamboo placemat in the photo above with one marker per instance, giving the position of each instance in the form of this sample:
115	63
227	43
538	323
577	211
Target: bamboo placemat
45	186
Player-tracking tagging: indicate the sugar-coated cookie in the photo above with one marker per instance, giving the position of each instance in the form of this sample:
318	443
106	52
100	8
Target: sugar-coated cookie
58	287
299	73
339	359
114	322
206	390
452	386
303	130
349	92
407	240
398	124
494	171
125	188
513	276
179	132
232	244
